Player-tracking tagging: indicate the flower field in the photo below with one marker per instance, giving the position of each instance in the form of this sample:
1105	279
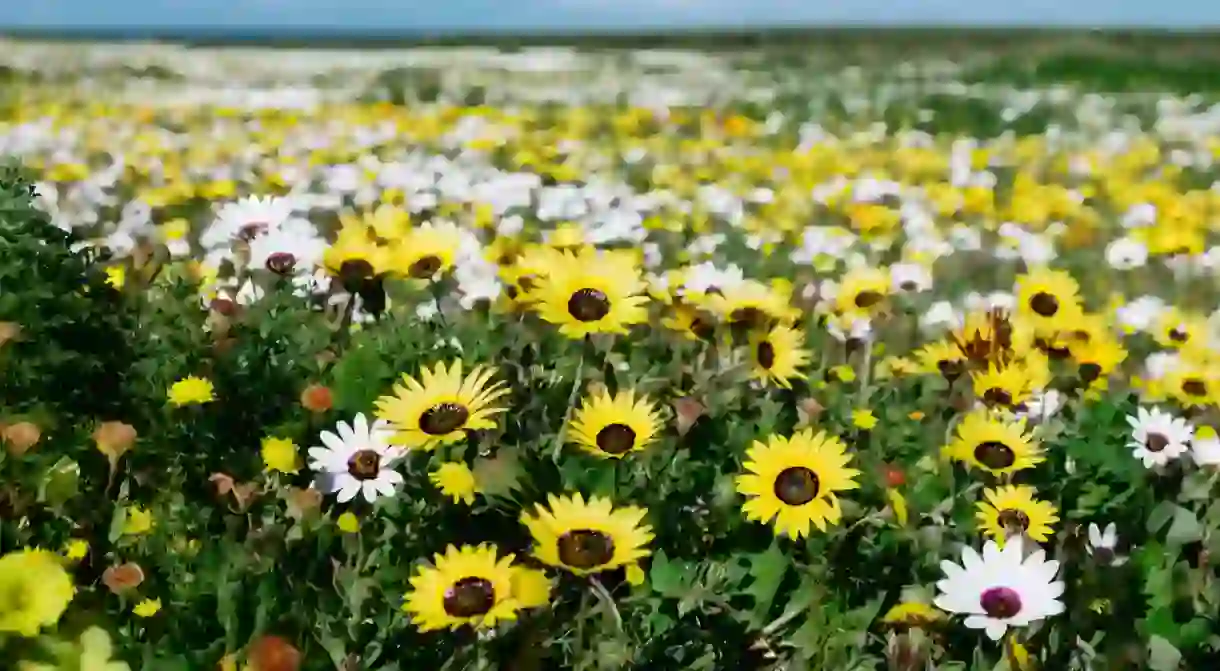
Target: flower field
588	359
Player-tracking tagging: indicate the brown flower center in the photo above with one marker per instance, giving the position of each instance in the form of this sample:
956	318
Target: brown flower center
1156	442
766	354
281	263
796	485
1044	304
867	299
1194	387
997	397
354	272
469	597
364	465
1089	371
588	305
585	548
616	439
995	455
443	418
1000	602
1178	335
425	267
950	370
750	317
1013	521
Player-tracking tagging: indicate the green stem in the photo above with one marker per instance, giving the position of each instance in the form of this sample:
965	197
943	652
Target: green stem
572	396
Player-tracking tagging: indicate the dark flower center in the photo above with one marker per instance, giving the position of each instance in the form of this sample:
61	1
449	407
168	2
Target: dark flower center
469	597
1044	304
354	272
281	263
1194	387
1000	602
1053	349
907	285
1178	335
1013	521
588	305
1156	442
950	370
702	328
796	485
252	230
616	439
996	396
867	299
1089	371
766	354
750	317
995	455
443	418
425	267
585	548
364	465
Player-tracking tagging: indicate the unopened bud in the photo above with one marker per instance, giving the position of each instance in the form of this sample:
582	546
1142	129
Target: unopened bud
20	437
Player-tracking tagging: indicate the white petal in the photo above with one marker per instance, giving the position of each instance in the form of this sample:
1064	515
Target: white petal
1095	535
349	490
370	490
333	442
995	629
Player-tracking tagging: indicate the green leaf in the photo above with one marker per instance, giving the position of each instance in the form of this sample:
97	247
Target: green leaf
767	570
61	483
1185	527
499	475
669	578
1162	656
1160	516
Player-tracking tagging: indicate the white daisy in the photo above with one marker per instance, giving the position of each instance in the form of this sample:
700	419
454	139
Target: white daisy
357	460
1141	313
1103	545
249	217
1042	406
292	248
1126	253
910	277
1002	588
1158	437
1205	451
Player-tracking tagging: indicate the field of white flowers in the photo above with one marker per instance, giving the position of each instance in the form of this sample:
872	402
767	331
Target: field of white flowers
577	358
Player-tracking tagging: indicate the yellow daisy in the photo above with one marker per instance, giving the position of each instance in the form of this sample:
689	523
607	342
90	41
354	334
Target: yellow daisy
441	406
912	614
425	251
993	443
1014	510
862	291
455	480
794	481
752	304
591	293
612	426
191	391
36	590
1049	299
590	537
777	355
1003	386
464	586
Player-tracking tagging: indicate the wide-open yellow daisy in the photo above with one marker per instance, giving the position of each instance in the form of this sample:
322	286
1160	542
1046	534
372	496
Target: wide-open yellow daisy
355	256
943	357
35	589
426	250
1003	386
794	481
778	355
591	293
994	443
1049	299
441	406
753	304
590	537
612	426
467	585
1013	511
862	291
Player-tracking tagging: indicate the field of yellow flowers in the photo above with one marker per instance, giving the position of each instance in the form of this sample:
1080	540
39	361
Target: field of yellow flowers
650	360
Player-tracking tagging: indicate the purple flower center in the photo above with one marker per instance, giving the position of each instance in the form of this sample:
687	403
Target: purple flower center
1000	602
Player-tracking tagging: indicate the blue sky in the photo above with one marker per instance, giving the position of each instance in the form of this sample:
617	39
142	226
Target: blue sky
548	14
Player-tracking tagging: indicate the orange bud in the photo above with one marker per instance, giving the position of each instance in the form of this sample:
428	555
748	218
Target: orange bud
123	577
688	411
114	439
272	653
20	437
316	398
8	331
